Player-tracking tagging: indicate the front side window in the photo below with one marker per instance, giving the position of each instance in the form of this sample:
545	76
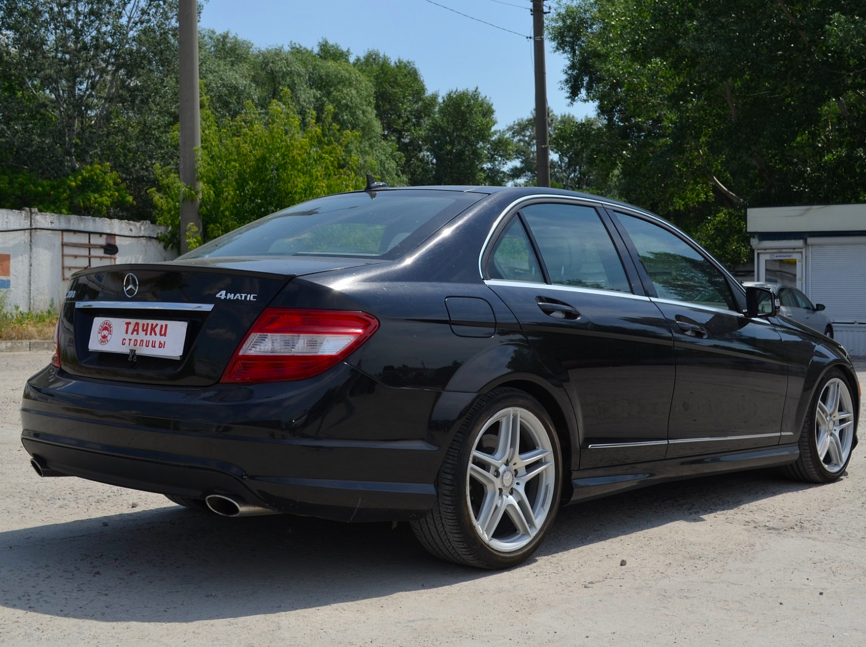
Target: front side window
677	270
802	300
787	298
575	247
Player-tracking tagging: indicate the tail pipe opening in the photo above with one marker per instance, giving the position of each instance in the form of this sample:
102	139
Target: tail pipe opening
41	468
226	506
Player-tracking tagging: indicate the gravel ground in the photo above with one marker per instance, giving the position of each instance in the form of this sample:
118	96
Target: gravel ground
744	559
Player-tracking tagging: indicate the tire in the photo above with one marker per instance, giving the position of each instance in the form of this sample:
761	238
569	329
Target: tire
488	514
187	502
828	331
827	437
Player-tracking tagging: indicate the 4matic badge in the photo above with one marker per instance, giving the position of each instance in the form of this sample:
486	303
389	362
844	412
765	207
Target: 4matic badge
235	296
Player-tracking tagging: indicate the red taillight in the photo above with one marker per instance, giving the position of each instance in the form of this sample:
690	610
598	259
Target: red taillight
287	344
55	358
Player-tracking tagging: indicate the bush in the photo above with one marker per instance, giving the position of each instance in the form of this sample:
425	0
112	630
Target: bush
255	164
93	190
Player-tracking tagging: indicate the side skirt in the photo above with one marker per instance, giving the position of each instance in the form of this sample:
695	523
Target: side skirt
592	484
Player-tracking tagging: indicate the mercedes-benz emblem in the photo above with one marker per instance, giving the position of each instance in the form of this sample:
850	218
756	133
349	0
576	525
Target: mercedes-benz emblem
130	285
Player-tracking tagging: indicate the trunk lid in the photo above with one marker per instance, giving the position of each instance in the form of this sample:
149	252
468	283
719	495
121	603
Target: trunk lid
182	320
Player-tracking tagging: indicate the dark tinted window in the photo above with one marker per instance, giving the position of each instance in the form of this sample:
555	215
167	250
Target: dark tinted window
678	271
513	258
802	300
382	224
575	247
787	298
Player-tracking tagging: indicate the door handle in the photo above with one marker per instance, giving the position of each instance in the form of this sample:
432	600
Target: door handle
692	329
557	309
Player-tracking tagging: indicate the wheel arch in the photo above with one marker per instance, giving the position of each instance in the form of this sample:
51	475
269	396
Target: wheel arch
818	373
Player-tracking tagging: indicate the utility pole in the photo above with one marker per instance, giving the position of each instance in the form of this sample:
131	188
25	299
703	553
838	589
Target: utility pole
190	115
542	132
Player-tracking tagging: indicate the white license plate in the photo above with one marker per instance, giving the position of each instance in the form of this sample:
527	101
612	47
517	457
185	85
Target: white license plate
152	337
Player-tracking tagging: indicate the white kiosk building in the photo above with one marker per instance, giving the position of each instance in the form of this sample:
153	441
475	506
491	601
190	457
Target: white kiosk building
820	250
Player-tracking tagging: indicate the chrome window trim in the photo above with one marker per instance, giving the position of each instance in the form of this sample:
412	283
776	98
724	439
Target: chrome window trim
527	198
700	306
679	441
563	288
697	306
145	305
648	443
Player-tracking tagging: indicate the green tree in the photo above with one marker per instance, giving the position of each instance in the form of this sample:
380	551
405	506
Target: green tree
321	81
255	164
463	143
719	106
580	159
404	108
88	82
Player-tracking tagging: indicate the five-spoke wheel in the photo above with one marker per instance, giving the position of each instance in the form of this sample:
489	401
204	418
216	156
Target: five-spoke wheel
834	425
828	432
499	484
511	478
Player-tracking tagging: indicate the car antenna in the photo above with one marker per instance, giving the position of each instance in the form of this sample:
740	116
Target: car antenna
372	185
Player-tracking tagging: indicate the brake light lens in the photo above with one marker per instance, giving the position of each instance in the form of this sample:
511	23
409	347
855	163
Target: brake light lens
55	358
287	344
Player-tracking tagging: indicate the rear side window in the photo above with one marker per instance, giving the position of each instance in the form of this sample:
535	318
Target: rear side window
380	224
575	247
678	271
513	258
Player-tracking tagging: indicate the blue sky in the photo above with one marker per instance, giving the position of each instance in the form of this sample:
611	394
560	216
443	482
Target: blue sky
451	51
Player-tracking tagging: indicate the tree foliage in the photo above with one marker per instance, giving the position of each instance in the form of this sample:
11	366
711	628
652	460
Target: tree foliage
404	109
235	73
464	146
722	105
255	164
87	82
582	154
93	190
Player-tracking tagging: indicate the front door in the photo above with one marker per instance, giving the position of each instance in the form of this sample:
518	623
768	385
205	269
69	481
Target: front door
731	374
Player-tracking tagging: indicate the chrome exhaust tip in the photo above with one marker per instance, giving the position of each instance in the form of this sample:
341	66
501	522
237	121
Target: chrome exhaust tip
226	506
41	468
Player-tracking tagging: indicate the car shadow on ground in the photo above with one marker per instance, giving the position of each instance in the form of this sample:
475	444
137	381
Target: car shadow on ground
176	565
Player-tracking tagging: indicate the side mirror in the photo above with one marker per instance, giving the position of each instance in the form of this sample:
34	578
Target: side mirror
761	303
819	307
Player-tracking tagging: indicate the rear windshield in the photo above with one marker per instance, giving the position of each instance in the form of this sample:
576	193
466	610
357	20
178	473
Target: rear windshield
381	224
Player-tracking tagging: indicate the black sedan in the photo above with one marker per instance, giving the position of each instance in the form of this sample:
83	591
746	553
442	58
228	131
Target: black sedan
466	359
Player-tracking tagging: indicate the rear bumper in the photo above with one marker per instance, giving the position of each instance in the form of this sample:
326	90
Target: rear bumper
339	446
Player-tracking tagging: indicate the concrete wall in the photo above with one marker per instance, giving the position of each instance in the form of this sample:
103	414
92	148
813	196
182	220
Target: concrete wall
40	251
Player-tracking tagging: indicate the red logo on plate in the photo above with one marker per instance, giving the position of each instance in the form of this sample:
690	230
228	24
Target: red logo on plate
103	334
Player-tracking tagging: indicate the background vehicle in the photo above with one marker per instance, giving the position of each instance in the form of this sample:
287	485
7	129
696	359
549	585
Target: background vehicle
464	358
797	306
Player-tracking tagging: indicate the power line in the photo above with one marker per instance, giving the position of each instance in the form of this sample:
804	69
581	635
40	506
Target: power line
489	24
510	4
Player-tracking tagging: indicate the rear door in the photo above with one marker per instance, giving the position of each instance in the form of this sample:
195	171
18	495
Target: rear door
731	374
559	270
